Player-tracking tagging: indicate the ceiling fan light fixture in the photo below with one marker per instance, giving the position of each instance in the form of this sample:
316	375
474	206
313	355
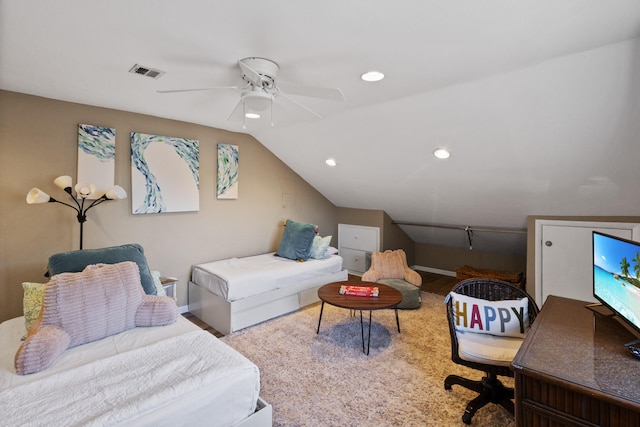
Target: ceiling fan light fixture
252	115
372	76
441	153
257	100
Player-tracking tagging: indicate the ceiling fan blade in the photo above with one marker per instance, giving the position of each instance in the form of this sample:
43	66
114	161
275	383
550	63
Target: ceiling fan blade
299	104
312	92
200	89
238	112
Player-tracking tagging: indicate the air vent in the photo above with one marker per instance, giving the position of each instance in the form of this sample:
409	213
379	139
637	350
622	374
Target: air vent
146	71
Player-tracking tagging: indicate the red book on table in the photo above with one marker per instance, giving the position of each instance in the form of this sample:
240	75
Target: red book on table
361	291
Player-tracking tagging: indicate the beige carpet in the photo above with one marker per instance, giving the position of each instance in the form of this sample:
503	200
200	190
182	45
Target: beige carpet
326	380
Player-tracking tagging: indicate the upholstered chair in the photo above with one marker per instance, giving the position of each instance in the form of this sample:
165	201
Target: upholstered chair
488	319
390	268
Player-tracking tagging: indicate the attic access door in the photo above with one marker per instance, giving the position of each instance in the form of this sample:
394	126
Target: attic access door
563	256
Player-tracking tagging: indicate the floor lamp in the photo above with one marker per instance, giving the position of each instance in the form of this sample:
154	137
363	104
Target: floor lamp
83	192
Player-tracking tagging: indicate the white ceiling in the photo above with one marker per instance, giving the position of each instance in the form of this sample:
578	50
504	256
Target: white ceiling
537	100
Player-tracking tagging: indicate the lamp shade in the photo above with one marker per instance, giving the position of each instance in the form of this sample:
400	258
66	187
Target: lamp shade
85	189
256	100
63	182
35	195
116	193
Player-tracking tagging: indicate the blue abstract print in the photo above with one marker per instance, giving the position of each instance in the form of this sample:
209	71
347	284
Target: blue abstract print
227	171
187	152
97	141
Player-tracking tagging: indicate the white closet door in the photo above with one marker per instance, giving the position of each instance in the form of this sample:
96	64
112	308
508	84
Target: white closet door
566	259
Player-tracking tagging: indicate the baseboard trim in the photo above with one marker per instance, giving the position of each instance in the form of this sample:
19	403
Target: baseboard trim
435	270
183	309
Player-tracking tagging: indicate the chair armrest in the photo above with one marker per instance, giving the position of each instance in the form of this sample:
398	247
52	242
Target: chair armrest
370	276
412	277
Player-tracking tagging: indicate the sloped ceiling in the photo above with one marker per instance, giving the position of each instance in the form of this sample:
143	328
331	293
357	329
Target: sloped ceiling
538	101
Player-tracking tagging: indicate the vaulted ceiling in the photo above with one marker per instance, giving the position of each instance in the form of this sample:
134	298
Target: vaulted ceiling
537	101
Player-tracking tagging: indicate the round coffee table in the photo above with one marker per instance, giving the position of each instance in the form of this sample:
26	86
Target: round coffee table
388	297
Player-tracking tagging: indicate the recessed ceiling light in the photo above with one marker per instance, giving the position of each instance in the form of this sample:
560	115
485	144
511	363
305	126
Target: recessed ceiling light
330	162
252	115
441	153
372	76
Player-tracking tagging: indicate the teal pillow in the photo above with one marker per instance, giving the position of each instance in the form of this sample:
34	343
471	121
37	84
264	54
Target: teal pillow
296	240
319	247
76	261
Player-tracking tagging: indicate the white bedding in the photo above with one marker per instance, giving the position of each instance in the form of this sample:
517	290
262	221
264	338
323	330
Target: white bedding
238	278
143	375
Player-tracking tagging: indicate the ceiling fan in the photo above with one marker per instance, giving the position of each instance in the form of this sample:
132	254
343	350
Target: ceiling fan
262	90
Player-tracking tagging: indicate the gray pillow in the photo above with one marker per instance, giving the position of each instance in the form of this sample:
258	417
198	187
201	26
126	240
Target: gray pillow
410	293
296	240
76	261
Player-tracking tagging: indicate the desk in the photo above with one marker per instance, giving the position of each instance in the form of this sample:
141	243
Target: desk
573	370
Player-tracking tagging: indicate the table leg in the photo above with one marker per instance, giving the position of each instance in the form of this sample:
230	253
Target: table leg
362	330
320	319
369	338
397	319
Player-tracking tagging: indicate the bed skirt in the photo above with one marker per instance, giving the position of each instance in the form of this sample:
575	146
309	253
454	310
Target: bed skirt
230	316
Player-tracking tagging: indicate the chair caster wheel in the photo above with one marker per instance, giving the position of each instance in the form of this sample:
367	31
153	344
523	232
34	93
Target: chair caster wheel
466	418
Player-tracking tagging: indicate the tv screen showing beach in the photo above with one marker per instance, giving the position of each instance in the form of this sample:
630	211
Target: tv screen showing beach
616	276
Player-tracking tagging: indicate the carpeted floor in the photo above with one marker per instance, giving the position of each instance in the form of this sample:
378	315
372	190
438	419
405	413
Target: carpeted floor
325	380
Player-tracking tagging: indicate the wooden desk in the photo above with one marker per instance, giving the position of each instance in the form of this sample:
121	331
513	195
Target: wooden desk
573	370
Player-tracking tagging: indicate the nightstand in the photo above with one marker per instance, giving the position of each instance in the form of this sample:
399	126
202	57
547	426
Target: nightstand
169	284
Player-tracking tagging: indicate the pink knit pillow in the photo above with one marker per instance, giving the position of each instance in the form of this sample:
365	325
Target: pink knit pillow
77	308
389	264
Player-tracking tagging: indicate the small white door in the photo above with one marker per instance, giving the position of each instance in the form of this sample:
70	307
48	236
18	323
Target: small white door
567	264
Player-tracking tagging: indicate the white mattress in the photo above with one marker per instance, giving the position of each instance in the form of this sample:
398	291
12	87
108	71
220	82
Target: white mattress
238	278
231	398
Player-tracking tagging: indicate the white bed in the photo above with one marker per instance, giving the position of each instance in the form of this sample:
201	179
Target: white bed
142	376
235	293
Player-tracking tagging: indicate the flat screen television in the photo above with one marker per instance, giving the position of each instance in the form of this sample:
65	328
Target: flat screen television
616	277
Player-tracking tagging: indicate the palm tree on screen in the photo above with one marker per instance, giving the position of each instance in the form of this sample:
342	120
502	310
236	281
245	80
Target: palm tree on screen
624	267
636	268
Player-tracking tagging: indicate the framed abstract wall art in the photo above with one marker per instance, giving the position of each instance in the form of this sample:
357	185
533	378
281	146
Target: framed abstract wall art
96	157
227	171
165	175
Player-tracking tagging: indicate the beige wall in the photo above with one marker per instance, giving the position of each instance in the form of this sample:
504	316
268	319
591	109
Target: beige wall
38	142
366	217
394	237
449	259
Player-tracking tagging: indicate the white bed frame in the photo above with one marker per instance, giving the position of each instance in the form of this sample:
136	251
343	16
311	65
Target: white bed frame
230	316
262	417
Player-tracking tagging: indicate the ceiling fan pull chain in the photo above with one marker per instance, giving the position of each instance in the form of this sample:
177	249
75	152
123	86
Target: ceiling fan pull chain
271	111
244	115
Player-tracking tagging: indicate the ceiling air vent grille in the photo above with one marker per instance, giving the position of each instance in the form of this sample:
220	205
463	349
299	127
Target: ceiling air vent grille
146	71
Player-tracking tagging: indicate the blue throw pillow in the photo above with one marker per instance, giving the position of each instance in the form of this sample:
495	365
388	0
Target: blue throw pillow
76	261
296	240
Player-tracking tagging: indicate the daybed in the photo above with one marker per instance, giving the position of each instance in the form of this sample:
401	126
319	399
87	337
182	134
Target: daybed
235	293
142	376
101	351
